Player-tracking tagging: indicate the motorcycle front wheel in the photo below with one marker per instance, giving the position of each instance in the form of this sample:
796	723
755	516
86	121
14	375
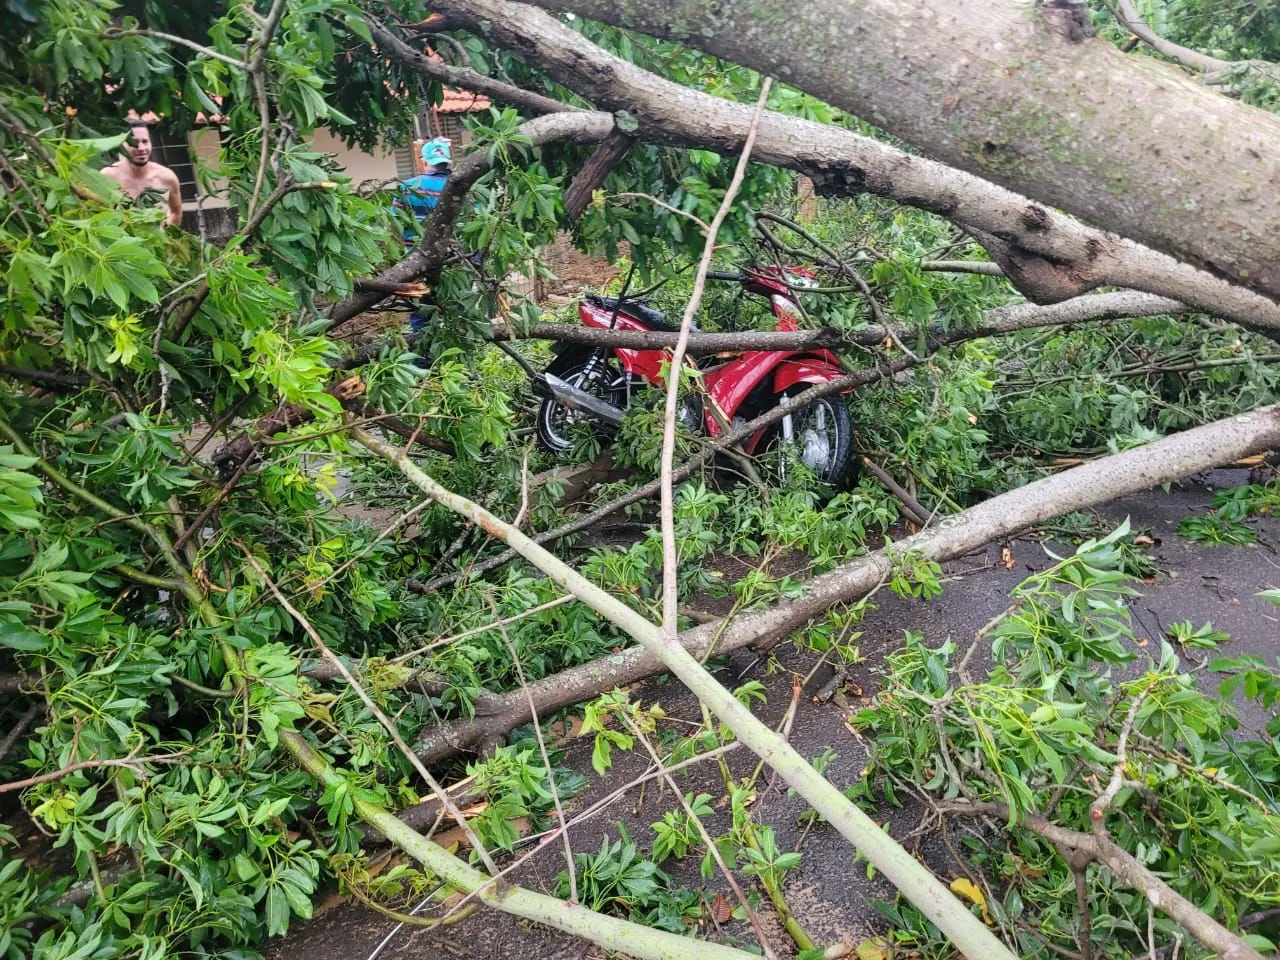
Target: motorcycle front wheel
820	436
555	420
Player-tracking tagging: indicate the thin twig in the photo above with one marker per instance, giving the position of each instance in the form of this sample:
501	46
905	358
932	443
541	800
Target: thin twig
484	629
542	748
116	33
22	723
670	591
133	763
752	917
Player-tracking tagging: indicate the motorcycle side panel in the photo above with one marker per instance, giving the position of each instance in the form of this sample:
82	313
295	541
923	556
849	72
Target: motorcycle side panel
642	363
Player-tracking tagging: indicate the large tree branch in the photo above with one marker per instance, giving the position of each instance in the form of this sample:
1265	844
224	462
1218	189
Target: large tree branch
1000	322
1126	868
461	76
1128	18
433	249
611	152
1000	517
1023	96
1058	257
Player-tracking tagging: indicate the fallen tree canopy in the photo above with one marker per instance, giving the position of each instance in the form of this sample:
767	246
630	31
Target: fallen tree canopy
992	520
255	591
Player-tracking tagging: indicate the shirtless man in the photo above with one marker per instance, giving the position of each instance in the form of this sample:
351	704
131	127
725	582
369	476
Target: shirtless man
135	172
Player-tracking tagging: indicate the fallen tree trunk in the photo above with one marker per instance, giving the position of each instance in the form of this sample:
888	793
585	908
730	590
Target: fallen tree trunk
1049	257
1003	516
1025	96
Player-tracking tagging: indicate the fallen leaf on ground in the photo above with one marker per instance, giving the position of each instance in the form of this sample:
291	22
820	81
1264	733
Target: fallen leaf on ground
966	888
721	909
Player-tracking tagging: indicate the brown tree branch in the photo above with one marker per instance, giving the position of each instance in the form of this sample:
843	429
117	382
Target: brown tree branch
463	77
606	158
962	82
1127	16
19	726
133	763
1000	322
998	518
844	163
53	379
1127	869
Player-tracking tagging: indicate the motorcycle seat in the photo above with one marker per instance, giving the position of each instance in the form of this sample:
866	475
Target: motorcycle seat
653	317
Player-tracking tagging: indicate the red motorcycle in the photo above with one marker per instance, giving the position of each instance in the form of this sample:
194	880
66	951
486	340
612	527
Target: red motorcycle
596	383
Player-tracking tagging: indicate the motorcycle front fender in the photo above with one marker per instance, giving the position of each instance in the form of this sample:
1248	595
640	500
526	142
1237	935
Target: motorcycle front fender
800	370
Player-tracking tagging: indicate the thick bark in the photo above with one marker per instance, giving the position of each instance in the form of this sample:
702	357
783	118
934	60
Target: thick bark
1057	257
1024	96
1003	516
591	177
433	249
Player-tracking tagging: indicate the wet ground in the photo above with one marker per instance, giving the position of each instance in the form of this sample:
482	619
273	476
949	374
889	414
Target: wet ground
829	892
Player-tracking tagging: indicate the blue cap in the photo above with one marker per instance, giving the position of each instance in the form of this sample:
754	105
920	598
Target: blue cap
437	151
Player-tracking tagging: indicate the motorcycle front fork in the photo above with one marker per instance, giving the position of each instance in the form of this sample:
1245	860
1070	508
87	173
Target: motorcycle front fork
597	366
788	430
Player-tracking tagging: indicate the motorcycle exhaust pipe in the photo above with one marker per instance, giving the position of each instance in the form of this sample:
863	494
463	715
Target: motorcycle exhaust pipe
549	386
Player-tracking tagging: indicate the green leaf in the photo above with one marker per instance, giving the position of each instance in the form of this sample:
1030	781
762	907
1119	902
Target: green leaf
358	26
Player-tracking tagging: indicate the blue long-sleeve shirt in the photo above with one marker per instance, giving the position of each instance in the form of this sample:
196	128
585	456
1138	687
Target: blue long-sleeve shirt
421	193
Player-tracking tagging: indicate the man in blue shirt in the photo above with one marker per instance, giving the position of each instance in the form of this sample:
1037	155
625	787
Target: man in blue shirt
420	194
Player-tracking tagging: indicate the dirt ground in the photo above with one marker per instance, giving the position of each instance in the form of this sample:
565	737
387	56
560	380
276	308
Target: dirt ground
829	891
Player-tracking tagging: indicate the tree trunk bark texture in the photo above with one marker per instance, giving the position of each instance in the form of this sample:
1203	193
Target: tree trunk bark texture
1023	95
1048	256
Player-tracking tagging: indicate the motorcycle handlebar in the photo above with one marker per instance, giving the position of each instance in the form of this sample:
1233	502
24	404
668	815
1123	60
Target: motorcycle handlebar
734	277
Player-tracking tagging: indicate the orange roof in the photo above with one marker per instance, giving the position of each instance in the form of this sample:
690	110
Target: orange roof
462	101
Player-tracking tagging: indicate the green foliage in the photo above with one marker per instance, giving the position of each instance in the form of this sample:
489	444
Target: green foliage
1047	720
1225	523
617	880
165	667
676	835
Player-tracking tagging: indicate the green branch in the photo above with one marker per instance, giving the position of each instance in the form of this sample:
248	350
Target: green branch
631	939
917	884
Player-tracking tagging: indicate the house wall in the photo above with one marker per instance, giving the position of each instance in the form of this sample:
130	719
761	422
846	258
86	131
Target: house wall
358	165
